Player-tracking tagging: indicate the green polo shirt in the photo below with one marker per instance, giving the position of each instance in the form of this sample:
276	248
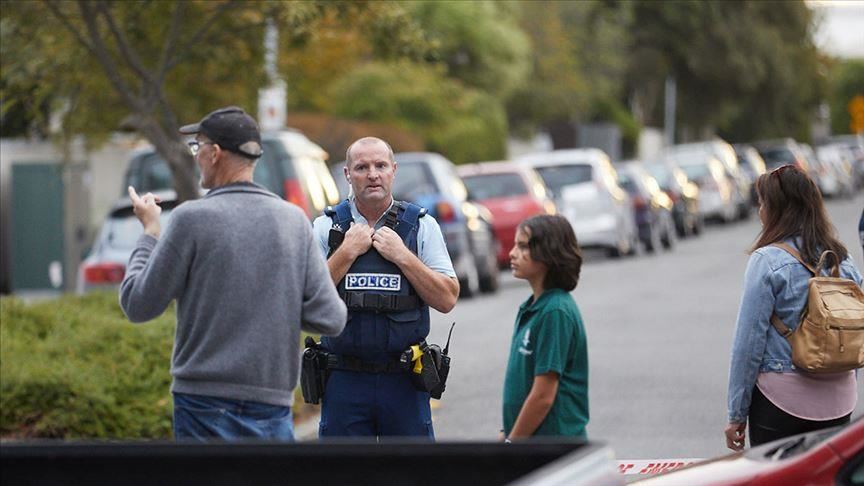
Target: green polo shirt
549	336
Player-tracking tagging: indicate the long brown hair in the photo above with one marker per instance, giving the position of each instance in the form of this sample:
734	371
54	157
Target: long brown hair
792	206
552	242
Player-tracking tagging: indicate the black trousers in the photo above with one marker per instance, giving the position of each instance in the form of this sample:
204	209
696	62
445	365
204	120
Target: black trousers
768	423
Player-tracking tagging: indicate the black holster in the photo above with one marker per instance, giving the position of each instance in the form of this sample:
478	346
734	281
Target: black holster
314	372
433	376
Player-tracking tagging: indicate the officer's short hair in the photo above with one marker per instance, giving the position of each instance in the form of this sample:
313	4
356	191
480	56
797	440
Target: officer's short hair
366	140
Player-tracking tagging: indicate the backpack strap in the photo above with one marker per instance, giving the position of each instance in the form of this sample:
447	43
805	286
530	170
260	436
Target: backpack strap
783	329
792	251
778	324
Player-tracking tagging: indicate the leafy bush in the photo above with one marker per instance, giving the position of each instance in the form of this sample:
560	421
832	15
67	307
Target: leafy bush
464	124
76	368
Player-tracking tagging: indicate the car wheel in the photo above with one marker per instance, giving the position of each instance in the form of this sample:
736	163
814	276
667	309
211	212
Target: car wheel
655	240
469	284
489	283
698	224
670	236
489	275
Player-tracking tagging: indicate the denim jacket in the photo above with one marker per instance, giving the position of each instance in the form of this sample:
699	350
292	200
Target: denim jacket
774	282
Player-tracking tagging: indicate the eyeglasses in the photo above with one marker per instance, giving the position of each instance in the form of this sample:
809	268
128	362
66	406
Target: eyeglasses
195	146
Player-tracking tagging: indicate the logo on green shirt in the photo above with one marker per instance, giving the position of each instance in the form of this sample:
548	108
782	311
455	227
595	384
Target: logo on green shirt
526	340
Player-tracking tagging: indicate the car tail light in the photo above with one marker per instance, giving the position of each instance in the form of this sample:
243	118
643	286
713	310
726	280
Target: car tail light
295	195
674	196
104	273
445	212
640	202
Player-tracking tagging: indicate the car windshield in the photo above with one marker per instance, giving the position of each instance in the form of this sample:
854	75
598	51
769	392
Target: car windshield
153	174
559	176
661	173
696	172
413	180
777	156
627	182
488	186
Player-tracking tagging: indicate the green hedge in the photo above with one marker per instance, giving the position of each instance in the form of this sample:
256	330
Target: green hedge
76	368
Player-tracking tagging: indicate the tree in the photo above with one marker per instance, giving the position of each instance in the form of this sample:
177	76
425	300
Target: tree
578	65
847	82
465	124
479	42
749	68
140	64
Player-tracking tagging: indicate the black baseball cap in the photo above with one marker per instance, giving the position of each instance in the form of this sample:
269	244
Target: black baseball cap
232	129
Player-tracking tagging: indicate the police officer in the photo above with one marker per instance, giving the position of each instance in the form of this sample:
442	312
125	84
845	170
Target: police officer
390	264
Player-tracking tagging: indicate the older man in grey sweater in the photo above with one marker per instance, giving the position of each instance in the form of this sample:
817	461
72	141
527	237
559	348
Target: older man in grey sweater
247	276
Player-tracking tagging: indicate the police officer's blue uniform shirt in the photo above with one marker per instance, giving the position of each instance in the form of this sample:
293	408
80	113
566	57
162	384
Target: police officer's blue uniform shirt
431	249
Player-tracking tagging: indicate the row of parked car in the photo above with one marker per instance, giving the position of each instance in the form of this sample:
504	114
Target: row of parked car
618	207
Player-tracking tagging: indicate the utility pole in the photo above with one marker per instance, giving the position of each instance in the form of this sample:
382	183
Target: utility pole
272	99
669	111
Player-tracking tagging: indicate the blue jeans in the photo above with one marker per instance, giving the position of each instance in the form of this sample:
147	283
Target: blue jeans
204	418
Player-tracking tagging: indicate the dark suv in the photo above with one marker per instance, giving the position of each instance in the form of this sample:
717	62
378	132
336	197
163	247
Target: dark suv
293	167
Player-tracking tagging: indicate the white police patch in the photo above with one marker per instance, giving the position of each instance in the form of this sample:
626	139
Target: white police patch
373	281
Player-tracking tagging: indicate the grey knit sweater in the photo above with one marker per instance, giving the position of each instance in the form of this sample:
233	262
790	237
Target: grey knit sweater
247	276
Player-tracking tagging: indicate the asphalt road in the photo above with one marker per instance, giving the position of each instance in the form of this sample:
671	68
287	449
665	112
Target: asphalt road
659	333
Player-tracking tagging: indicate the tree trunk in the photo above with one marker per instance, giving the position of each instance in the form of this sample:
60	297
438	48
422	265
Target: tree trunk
175	153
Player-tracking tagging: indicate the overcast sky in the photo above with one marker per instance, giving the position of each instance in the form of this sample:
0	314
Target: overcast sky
842	31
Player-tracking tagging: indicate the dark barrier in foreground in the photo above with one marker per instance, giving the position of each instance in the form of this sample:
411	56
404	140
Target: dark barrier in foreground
342	463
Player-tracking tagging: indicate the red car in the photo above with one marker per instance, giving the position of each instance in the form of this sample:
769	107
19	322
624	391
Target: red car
829	456
511	192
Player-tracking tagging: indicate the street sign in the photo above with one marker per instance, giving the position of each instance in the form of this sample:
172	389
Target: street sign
272	104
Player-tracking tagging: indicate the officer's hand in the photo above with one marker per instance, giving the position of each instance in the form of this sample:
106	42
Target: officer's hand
358	239
147	209
390	245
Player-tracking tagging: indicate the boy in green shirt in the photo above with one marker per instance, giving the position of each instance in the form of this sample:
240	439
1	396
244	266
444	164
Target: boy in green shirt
546	385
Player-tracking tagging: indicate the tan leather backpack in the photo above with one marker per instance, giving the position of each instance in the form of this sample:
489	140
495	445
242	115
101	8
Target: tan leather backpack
830	336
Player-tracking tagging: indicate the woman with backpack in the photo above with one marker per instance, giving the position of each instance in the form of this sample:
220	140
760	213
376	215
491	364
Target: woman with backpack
766	389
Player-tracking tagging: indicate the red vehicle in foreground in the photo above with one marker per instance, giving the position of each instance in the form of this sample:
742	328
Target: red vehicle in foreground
829	456
511	192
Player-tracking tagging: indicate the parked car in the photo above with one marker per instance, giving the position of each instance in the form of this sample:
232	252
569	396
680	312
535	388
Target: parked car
833	165
739	182
293	167
586	191
855	144
430	180
828	456
652	207
105	264
781	152
512	192
752	166
684	195
715	190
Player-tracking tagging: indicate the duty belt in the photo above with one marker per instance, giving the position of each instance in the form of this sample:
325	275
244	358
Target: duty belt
379	302
353	363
